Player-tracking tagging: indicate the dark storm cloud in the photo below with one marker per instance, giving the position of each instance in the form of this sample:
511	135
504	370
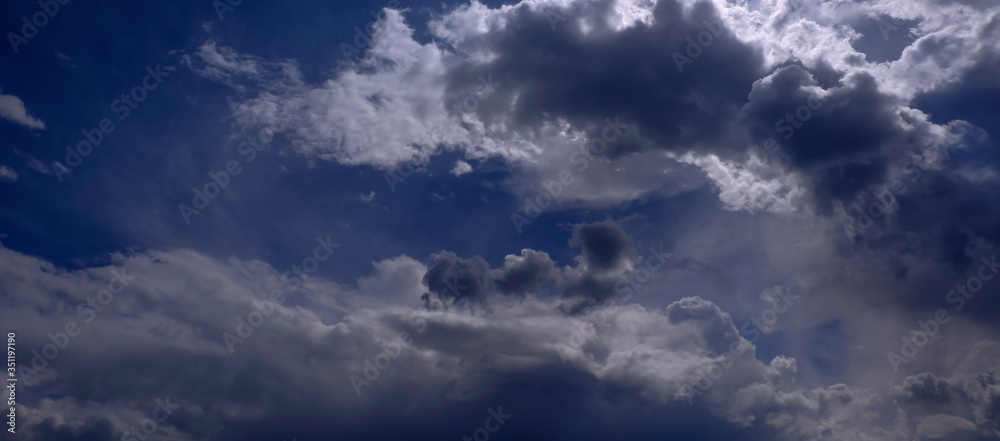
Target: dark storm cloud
526	273
930	230
945	219
943	211
451	278
606	246
815	135
837	139
851	145
948	209
590	291
605	255
840	135
607	251
622	377
838	132
552	69
959	404
927	390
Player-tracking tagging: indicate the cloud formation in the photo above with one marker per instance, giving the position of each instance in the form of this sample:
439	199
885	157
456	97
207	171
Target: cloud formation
707	83
163	330
13	109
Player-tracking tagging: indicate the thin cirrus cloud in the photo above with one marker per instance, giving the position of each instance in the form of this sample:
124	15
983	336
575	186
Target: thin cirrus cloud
7	174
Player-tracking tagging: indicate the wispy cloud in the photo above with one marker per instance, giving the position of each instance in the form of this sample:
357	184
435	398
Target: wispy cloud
7	174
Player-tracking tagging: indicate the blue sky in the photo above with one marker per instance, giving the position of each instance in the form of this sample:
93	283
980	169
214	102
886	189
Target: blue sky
579	211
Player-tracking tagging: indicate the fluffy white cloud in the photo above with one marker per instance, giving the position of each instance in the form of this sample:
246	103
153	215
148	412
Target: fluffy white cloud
740	188
12	109
402	101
